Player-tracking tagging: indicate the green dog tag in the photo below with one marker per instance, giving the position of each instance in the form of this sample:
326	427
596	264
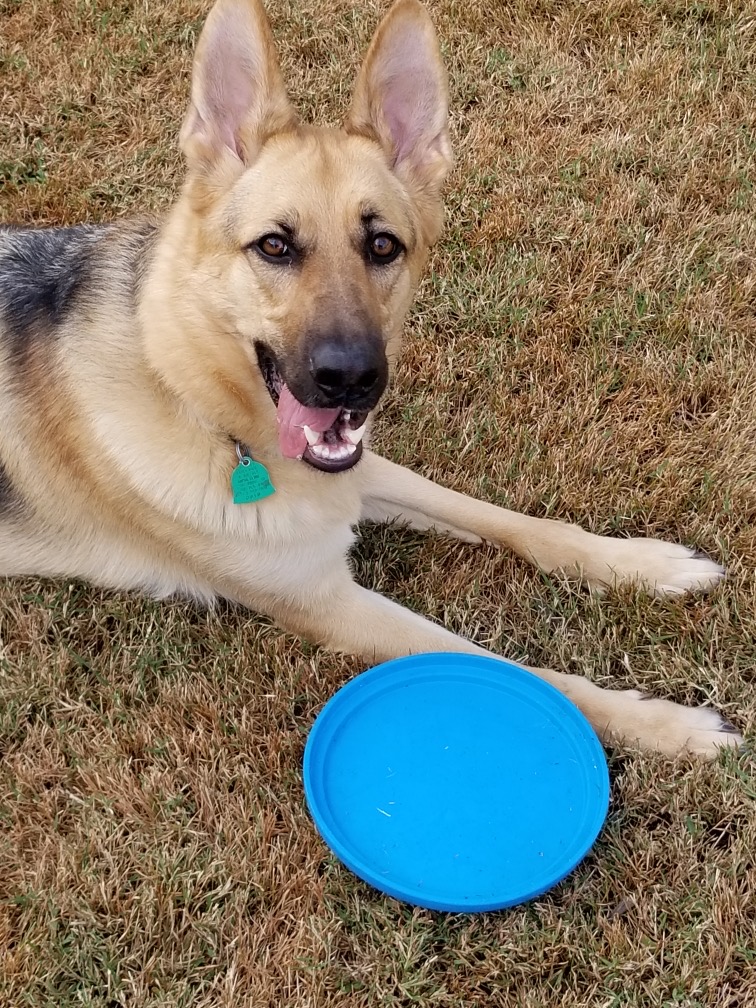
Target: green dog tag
250	482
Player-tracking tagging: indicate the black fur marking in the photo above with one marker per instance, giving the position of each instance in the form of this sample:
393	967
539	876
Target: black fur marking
42	275
144	233
699	554
9	499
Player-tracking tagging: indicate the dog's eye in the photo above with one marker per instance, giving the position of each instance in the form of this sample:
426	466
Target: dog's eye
383	248
273	246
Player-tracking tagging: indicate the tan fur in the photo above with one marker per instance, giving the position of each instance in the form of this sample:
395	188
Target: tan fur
118	436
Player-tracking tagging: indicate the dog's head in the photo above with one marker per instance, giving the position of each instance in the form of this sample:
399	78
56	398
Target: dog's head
308	242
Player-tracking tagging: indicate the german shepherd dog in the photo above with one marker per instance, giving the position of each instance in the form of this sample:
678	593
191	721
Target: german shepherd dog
185	404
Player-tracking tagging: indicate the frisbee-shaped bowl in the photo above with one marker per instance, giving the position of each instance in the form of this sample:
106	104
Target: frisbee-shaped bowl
455	782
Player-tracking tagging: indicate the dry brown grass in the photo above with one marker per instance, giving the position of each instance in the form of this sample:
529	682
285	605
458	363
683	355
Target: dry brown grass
583	348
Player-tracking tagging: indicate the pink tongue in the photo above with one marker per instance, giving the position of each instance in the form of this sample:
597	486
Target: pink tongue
292	416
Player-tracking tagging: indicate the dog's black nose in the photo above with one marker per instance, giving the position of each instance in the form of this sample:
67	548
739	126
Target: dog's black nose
349	372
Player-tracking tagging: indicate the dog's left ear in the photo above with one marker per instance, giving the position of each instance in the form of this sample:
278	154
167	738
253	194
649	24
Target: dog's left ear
401	98
238	95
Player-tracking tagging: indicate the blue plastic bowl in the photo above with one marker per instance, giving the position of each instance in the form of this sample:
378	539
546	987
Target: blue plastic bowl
455	782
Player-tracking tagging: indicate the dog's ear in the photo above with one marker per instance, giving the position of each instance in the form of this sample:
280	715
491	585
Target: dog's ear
401	99
238	96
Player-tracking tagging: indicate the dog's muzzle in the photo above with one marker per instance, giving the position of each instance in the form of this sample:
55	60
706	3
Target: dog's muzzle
326	429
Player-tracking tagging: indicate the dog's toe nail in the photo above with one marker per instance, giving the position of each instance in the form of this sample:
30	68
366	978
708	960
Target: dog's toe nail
729	727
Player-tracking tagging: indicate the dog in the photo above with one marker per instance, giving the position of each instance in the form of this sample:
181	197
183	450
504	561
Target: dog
185	403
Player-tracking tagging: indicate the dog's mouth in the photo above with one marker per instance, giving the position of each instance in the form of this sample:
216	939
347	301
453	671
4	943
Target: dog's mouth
329	439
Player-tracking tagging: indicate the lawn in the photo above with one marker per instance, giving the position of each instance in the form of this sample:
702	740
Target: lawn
583	347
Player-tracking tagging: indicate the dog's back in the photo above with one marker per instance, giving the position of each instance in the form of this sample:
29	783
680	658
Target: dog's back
47	274
68	298
43	273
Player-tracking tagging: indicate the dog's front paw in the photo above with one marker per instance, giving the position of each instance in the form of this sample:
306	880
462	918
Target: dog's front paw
672	729
658	567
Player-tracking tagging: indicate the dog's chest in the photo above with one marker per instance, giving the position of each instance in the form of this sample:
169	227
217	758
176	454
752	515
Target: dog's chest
304	504
292	540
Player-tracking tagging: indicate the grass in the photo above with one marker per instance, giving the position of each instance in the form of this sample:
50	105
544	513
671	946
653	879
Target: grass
582	347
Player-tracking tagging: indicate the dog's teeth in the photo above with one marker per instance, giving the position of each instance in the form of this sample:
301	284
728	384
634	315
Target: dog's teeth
355	436
333	453
312	436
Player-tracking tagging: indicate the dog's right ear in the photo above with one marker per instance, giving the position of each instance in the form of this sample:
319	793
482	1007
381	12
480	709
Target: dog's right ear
238	95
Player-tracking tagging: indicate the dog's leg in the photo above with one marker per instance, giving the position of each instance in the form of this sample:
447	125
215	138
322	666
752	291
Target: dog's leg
392	492
351	619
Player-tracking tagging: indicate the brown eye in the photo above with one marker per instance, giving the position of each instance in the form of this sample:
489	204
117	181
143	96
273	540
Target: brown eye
384	248
273	246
